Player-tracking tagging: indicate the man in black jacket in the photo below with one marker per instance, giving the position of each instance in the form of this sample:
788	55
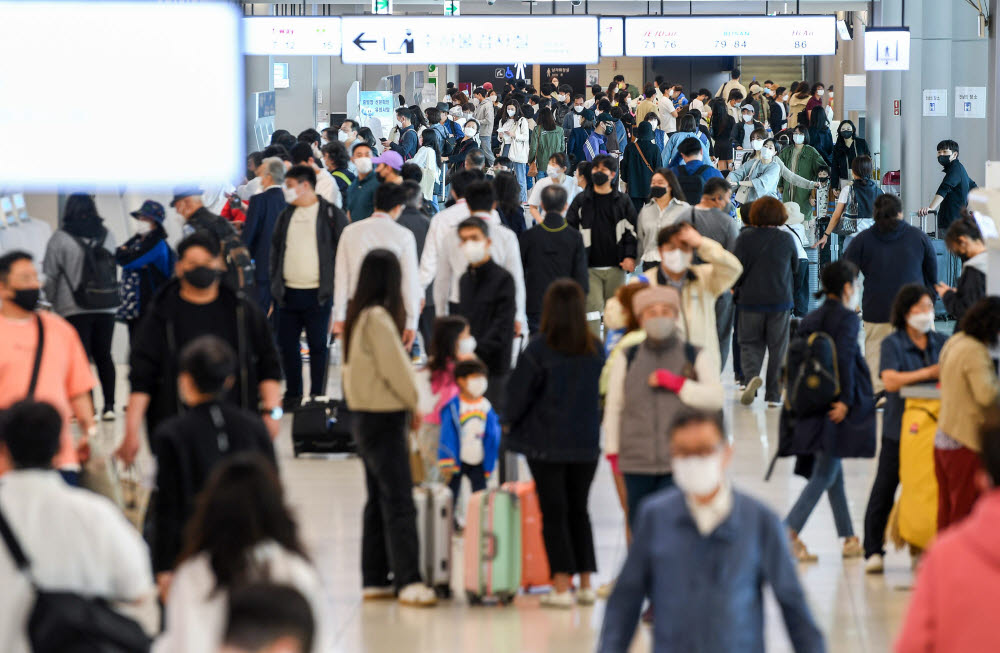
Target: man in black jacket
486	300
190	445
188	203
196	304
262	215
419	223
303	249
551	251
606	220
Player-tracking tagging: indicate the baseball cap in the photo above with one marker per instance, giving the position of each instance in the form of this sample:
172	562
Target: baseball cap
391	158
488	86
181	193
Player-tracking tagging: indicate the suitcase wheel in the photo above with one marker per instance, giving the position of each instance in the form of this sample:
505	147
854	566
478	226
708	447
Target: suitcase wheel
505	599
473	598
443	591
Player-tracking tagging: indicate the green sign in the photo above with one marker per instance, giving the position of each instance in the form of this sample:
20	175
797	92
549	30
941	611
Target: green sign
382	7
431	68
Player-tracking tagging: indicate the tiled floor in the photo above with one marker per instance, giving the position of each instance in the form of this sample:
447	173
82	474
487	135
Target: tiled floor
858	613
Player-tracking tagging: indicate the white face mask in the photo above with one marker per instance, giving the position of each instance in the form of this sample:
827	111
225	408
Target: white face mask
578	108
364	165
698	475
784	98
747	117
554	171
820	92
291	195
343	136
559	97
676	260
399	125
756	144
854	301
654	124
474	250
767	154
659	328
798	139
511	111
922	322
467	345
471	132
144	227
476	386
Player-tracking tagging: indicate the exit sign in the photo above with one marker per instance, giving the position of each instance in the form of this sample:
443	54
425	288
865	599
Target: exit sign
382	7
452	8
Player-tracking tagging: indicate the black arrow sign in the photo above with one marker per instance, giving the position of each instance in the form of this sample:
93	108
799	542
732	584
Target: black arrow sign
358	41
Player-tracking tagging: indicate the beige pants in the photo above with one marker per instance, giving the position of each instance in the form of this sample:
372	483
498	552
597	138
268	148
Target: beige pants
603	284
875	333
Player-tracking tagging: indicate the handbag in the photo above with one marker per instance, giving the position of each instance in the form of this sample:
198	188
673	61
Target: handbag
67	622
743	192
848	225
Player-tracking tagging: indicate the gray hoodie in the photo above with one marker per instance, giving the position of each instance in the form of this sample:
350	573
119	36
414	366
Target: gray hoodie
63	269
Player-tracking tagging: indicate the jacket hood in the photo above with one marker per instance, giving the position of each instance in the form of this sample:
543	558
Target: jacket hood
983	527
890	236
977	262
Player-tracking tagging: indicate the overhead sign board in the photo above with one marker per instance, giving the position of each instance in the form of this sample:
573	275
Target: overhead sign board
887	48
612	37
469	39
382	7
305	35
730	36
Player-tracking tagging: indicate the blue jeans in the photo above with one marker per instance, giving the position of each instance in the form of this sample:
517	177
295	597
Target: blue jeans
827	476
640	486
521	172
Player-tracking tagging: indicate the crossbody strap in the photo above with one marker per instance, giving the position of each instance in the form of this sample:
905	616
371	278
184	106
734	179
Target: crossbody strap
16	552
641	155
38	357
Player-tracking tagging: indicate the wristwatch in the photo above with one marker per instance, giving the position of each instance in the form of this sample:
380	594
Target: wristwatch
275	413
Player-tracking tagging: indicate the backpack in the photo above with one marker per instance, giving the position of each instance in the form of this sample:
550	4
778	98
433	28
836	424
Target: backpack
98	288
344	178
812	380
239	262
692	184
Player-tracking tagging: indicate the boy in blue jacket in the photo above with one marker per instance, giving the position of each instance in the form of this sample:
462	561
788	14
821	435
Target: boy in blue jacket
470	430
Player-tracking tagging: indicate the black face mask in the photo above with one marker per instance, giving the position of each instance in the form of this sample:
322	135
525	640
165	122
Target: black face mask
202	276
944	160
822	180
600	178
26	298
657	191
847	133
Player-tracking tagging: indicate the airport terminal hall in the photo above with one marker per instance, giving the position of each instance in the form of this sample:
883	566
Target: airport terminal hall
500	326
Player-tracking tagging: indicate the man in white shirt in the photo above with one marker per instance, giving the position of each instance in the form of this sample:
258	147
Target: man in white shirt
75	541
555	174
443	262
665	110
326	187
380	231
733	83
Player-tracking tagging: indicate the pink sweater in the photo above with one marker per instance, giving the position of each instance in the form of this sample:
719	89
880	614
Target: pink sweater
954	605
445	389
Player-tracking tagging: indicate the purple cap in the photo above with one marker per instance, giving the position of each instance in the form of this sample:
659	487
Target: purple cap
391	158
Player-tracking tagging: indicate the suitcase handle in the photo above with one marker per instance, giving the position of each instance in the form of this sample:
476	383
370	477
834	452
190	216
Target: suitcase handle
489	547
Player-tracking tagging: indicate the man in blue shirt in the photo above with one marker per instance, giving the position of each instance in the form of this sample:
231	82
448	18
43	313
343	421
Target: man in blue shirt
692	165
409	142
953	193
700	552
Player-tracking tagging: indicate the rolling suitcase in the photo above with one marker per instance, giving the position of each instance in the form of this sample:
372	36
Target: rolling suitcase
534	560
323	425
492	548
434	523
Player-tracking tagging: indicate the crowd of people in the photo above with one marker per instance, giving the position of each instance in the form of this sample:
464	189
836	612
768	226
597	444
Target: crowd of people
555	274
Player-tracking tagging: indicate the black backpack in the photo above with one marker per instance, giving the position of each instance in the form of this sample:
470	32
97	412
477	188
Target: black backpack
239	263
692	184
812	380
98	287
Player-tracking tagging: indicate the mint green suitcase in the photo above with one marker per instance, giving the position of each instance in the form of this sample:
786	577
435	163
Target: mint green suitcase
492	547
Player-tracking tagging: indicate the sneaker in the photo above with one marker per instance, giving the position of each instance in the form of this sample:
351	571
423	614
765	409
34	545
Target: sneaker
751	391
109	415
562	600
774	404
417	595
853	548
604	591
800	551
875	564
378	593
586	597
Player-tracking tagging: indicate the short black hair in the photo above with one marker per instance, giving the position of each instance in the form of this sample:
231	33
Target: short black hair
714	185
964	226
210	361
905	299
286	140
337	153
403	112
566	89
559	158
584	169
411	171
8	260
262	612
689	147
309	135
862	166
301	153
389	196
201	238
301	173
982	320
948	144
606	161
503	161
275	150
691	417
735	74
835	275
480	196
664	235
354	124
461	180
470	367
554	198
704	91
433	115
31	430
474	223
480	91
618	78
256	158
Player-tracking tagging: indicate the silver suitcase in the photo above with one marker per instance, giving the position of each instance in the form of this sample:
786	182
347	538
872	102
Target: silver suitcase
435	508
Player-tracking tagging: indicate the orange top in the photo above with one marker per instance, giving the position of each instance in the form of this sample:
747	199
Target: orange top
64	372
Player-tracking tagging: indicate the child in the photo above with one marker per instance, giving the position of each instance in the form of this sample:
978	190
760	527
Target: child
821	201
470	430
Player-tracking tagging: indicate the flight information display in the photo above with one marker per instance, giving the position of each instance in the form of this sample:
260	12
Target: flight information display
292	35
665	36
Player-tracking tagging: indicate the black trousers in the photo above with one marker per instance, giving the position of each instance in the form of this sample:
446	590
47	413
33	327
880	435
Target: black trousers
882	497
476	475
725	316
563	490
96	331
389	541
800	292
302	310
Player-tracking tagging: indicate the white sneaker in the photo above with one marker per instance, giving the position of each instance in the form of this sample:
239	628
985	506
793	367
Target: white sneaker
586	597
417	595
774	404
751	392
875	564
376	593
108	416
561	600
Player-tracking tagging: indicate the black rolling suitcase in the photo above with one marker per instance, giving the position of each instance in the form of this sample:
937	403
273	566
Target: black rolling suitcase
323	425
